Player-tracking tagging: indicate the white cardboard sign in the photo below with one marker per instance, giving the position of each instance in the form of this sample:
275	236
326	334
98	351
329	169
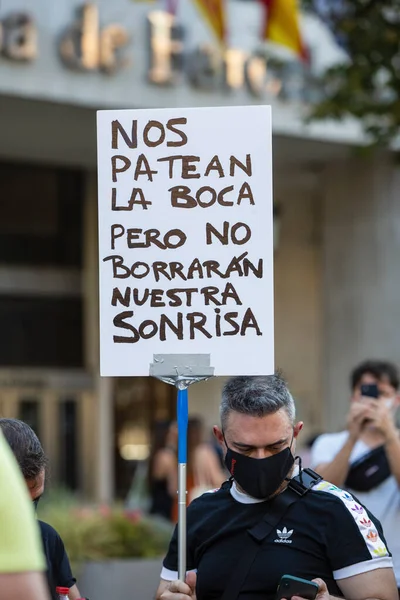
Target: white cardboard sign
185	238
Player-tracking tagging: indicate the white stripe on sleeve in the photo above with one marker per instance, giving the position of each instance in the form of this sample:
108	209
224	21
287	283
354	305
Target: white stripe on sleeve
363	567
168	575
369	532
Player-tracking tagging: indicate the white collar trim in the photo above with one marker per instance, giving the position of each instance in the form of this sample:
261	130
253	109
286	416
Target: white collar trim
244	498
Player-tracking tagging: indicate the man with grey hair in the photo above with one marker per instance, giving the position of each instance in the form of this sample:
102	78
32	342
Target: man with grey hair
273	518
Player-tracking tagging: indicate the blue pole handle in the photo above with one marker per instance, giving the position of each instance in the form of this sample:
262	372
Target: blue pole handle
182	413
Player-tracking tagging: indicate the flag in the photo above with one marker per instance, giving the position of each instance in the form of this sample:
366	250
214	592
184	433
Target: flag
282	25
215	14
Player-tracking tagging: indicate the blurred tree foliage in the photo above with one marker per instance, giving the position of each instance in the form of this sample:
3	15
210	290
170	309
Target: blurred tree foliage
366	85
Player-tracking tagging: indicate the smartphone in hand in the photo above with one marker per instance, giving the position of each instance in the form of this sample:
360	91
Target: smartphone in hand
295	586
369	390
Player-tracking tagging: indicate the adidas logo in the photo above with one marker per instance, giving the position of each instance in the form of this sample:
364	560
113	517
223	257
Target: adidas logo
283	536
373	536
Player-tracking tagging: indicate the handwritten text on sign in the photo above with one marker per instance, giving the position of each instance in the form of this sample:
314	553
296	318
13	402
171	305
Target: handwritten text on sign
185	222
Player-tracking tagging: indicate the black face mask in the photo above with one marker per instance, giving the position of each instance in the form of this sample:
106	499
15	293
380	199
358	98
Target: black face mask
259	477
36	502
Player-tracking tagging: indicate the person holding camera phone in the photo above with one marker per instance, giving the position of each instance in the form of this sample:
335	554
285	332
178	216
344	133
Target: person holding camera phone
365	459
273	524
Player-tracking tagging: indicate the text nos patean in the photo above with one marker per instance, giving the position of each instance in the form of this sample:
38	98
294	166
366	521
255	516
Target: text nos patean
185	167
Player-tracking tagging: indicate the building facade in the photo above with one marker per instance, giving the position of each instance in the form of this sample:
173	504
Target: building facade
337	221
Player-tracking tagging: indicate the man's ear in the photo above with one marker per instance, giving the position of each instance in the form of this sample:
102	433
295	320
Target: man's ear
297	428
219	436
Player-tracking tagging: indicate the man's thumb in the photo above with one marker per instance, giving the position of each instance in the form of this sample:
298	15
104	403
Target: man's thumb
191	579
322	588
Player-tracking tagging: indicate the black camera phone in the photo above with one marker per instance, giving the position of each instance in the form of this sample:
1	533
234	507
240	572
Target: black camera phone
370	390
295	586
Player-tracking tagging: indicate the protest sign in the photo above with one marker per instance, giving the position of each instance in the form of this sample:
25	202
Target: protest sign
185	238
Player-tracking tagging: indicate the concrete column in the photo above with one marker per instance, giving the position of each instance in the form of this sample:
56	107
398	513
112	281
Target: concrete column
88	443
104	441
297	294
90	276
361	229
100	425
49	422
9	403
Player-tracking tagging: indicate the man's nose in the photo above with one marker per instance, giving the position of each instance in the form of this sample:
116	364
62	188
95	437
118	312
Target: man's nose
260	453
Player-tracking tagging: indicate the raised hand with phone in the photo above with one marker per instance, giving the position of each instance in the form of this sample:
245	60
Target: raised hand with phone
365	458
357	418
379	403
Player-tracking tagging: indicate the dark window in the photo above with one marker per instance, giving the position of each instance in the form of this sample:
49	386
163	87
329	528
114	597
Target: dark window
139	403
29	412
41	332
40	216
68	444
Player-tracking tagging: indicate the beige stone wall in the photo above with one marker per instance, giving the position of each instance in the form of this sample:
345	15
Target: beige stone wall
298	307
361	229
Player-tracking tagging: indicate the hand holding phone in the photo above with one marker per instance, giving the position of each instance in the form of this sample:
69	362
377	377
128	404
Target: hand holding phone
295	586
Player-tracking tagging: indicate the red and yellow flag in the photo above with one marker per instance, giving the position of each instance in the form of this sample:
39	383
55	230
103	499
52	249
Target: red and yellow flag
282	25
214	12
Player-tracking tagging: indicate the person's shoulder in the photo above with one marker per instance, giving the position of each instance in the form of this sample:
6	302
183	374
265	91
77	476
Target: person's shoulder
214	497
48	532
330	489
330	504
342	514
330	439
208	510
326	446
326	496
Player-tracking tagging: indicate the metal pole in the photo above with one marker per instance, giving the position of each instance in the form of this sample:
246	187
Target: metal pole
182	370
182	417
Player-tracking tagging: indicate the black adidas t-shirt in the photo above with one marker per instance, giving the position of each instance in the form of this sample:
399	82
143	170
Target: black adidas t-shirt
58	568
325	533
